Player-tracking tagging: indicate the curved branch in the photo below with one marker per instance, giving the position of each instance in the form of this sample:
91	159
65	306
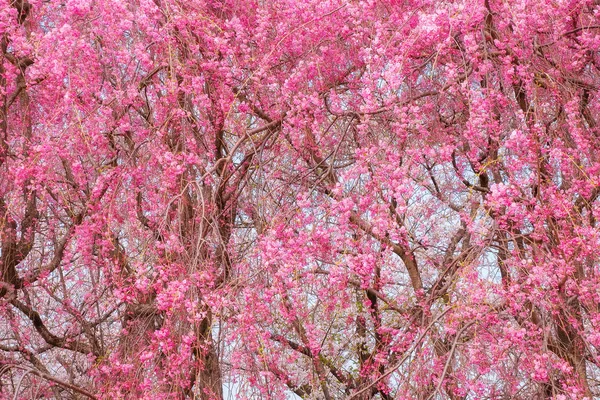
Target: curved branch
48	336
50	378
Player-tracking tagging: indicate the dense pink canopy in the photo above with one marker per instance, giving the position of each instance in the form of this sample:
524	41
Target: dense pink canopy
299	199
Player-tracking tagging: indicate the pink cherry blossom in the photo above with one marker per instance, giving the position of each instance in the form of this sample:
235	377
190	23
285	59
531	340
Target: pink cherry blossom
299	199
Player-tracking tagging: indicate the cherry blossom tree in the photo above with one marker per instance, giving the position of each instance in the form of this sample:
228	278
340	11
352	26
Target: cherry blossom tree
299	199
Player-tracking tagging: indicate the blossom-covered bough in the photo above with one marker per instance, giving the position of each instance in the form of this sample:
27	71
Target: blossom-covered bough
299	199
